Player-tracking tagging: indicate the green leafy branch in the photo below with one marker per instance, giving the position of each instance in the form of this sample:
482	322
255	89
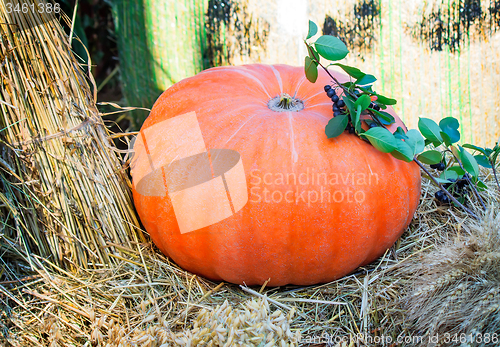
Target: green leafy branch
357	102
487	158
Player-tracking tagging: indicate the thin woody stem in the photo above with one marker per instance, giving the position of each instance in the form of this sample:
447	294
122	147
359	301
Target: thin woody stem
445	190
346	91
468	180
495	173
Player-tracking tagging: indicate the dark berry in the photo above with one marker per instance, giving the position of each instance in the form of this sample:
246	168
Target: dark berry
373	125
340	103
335	108
330	93
376	107
438	166
441	196
335	98
336	113
351	130
328	87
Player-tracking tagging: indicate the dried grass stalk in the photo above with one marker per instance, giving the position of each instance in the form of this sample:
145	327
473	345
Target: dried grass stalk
456	291
64	194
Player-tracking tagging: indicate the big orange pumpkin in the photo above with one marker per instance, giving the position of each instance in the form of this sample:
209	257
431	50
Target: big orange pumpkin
303	237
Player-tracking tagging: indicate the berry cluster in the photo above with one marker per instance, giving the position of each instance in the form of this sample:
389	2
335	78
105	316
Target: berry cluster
458	188
439	166
339	106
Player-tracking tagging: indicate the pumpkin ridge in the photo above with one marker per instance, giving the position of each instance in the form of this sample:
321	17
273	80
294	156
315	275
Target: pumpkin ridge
278	77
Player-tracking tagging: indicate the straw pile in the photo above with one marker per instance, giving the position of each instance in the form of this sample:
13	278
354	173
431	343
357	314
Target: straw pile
64	197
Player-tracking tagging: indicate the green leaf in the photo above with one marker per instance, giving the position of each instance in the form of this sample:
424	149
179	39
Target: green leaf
366	79
384	100
452	134
446	139
350	105
458	170
356	119
313	29
476	148
331	48
385	117
354	72
312	53
403	151
493	153
381	139
483	161
427	142
370	121
348	84
430	157
469	162
336	126
481	186
430	130
311	70
449	175
441	180
449	122
415	141
400	134
367	89
363	101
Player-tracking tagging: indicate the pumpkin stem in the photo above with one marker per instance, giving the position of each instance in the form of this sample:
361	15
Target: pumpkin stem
285	103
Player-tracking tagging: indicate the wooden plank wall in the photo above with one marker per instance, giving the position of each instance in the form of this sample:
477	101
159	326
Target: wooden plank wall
439	58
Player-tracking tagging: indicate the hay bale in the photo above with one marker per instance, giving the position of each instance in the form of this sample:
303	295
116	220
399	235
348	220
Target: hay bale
65	195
